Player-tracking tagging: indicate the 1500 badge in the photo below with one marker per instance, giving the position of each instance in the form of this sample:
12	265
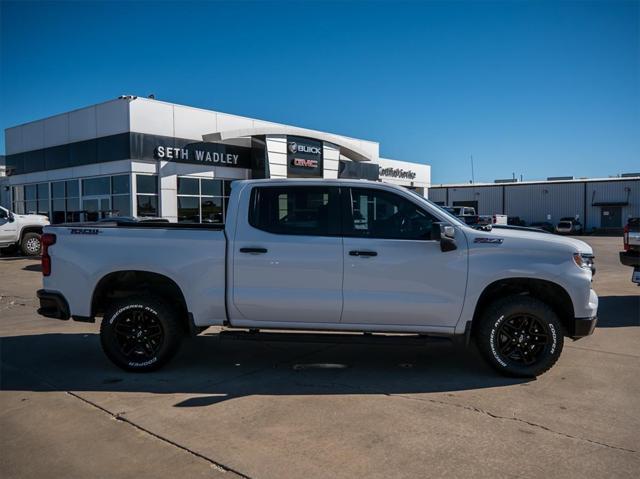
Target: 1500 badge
84	231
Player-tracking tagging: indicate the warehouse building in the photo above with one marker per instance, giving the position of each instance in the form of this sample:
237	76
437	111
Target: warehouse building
598	203
143	157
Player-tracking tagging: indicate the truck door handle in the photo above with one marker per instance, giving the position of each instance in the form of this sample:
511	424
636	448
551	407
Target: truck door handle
253	250
362	253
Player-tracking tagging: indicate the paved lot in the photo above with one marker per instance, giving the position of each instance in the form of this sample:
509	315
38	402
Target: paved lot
239	409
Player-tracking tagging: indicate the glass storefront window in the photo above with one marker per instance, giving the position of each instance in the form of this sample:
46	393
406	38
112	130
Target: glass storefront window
212	210
202	200
147	184
121	205
188	186
96	186
30	192
57	189
120	185
188	209
73	189
147	205
212	188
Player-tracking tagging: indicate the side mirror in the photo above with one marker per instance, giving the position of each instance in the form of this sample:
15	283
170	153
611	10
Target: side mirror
446	234
11	217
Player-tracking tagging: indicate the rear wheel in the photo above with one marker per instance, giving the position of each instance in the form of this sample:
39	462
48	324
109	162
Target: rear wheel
140	333
30	244
520	336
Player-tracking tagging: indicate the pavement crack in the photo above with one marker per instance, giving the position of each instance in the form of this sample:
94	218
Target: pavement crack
516	419
491	415
603	352
121	417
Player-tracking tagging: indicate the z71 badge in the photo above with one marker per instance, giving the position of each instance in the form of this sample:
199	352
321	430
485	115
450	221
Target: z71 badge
489	240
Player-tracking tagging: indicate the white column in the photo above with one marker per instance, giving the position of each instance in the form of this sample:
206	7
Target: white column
331	158
277	155
168	191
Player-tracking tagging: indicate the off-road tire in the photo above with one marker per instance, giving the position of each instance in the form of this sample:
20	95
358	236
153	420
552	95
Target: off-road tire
490	335
140	318
31	244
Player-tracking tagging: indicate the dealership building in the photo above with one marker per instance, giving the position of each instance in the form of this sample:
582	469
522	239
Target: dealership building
598	203
136	156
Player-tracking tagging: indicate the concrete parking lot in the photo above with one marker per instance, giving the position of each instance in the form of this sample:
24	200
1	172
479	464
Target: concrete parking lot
245	409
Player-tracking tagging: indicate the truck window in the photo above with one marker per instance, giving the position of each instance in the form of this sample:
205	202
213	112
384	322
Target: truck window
381	214
286	210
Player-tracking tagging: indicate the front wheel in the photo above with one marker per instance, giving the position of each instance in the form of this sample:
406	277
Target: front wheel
140	333
520	336
30	244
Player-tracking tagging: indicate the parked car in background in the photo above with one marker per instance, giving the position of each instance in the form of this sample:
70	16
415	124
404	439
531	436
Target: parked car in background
465	213
630	256
542	225
516	221
568	226
21	230
326	255
492	220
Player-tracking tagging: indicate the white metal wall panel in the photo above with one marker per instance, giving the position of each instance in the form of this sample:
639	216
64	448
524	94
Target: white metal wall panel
438	195
82	124
489	198
613	191
56	130
545	202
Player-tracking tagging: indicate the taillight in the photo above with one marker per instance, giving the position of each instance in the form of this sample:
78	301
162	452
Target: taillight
46	240
625	237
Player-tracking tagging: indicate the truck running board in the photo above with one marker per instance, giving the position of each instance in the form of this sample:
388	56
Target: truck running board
335	338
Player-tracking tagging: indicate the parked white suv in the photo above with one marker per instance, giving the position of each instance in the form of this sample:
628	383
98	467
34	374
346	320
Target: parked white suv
21	230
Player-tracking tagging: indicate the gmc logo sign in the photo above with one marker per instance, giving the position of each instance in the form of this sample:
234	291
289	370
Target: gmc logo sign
305	163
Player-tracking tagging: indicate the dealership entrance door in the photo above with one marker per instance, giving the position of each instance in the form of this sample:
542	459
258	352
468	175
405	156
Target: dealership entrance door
96	207
611	217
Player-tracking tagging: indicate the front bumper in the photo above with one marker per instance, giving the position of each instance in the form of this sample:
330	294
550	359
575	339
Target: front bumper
582	327
52	305
630	258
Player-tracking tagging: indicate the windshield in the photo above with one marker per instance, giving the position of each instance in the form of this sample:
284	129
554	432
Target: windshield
450	217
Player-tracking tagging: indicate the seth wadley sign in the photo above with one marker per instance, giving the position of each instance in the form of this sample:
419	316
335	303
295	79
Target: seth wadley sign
172	153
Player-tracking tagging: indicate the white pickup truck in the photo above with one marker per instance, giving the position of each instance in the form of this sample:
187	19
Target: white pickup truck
21	230
318	256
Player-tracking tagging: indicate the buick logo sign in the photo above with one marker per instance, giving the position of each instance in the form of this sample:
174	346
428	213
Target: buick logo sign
301	148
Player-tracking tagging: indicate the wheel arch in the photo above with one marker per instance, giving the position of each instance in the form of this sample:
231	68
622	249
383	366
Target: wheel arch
125	283
30	229
546	291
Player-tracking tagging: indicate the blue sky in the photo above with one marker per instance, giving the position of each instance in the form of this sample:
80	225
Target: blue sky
532	88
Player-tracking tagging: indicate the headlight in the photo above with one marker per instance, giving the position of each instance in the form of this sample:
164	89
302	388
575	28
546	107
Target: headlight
585	261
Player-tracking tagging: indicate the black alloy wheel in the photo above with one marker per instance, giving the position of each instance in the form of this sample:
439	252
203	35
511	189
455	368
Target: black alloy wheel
522	338
140	333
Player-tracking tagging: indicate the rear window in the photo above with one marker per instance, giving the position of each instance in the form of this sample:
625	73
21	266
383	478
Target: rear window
564	224
286	210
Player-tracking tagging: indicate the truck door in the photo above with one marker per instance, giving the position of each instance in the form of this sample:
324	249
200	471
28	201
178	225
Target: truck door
287	259
8	228
394	274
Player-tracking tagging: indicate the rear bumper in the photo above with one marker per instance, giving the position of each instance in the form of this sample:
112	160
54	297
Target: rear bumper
53	305
630	258
583	327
